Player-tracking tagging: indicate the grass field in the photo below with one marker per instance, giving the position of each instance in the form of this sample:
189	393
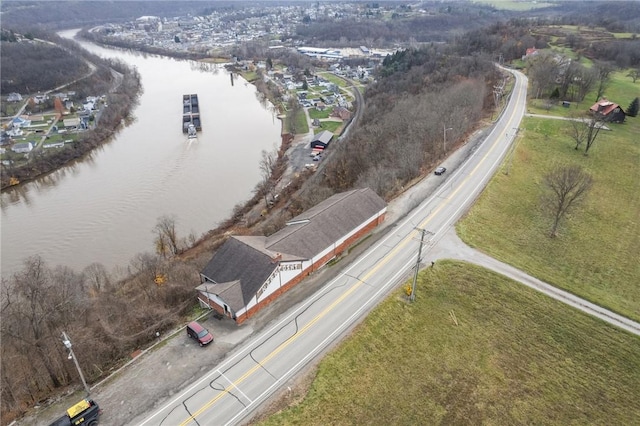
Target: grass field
332	126
315	113
514	357
302	126
333	78
596	253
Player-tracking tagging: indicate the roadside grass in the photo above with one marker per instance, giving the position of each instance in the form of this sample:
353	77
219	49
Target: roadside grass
474	348
595	254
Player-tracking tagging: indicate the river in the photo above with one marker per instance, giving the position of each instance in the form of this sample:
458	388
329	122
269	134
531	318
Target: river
104	208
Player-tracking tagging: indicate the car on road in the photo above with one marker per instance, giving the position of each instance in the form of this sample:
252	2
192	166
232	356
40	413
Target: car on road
440	170
85	412
198	332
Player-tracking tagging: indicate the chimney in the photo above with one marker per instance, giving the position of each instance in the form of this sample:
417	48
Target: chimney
277	257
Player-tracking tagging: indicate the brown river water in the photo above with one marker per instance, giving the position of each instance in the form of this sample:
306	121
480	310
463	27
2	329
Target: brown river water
103	208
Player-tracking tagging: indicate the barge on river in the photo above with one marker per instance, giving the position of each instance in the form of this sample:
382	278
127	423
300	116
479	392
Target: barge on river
190	113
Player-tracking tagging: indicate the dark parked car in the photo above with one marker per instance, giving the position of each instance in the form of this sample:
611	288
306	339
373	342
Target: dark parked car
440	170
198	332
85	412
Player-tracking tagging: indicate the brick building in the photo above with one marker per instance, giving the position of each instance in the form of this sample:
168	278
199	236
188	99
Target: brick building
248	272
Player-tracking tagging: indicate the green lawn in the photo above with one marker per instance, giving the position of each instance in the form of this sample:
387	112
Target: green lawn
56	137
334	79
315	113
301	122
515	356
250	76
331	126
596	253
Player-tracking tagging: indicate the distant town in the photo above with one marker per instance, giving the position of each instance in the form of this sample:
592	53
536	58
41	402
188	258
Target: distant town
225	28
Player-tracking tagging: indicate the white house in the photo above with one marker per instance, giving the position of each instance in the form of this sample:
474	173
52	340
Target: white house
249	272
22	147
71	123
14	97
20	122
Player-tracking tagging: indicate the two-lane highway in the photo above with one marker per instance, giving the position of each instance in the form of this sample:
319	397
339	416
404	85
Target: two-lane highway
255	371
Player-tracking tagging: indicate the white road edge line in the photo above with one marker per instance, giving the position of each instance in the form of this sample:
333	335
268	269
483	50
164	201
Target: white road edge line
234	385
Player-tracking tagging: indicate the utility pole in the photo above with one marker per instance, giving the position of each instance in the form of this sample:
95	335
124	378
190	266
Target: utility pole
444	136
423	232
67	343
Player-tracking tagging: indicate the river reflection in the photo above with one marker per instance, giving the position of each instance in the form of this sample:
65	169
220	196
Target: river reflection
103	208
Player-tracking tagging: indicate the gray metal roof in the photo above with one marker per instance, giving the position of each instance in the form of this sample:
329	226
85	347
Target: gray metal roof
239	263
322	225
243	263
323	138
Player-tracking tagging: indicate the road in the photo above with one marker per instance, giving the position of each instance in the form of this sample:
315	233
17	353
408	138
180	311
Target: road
231	392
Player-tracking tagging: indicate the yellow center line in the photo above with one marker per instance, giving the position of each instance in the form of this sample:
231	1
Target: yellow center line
358	283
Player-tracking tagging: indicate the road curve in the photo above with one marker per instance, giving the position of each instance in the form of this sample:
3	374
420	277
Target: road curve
253	372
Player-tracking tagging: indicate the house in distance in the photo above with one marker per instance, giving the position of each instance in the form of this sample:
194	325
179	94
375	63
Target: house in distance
608	111
249	272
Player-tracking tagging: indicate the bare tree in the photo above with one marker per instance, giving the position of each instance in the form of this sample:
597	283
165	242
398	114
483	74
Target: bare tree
145	267
267	166
585	130
543	71
584	83
577	129
31	315
603	76
567	186
96	278
166	235
634	74
594	125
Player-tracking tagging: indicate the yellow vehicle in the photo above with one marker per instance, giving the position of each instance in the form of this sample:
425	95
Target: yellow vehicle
85	412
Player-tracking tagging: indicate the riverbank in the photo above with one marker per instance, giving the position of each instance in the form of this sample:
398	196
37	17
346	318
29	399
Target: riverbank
121	100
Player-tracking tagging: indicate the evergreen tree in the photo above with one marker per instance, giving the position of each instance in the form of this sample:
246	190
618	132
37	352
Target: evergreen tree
632	110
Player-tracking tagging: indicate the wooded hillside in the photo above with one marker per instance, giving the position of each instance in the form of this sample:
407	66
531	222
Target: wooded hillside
23	63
